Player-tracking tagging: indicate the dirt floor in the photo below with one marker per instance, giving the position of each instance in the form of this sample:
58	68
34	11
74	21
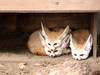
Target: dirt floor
14	32
22	62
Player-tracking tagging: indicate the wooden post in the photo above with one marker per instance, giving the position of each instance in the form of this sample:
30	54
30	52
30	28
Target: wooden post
94	33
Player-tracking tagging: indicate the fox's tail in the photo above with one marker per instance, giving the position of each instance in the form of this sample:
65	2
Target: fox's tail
39	52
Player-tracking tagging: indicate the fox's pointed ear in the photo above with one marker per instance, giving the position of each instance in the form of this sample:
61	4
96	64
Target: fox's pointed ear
65	33
88	43
70	37
42	39
66	41
71	43
44	29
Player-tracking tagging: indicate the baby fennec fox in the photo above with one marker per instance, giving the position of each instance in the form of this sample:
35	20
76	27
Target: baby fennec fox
81	44
45	42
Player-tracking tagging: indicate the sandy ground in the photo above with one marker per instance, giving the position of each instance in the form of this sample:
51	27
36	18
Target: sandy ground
22	62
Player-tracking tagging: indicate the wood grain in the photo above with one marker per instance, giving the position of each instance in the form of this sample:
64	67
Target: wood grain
48	6
94	33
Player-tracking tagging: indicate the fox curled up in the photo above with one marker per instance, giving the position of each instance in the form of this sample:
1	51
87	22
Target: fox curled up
45	42
54	43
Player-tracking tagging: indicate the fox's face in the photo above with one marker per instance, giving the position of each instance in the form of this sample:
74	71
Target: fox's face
53	53
53	44
52	41
81	51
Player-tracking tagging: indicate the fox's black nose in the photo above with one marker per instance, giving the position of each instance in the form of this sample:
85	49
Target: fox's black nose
51	49
52	56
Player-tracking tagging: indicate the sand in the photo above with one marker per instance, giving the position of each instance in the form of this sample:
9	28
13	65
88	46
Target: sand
22	62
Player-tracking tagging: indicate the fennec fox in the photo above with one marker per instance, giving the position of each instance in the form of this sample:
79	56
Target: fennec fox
46	42
81	44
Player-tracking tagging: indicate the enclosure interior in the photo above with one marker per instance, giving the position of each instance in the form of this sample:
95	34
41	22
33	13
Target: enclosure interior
16	28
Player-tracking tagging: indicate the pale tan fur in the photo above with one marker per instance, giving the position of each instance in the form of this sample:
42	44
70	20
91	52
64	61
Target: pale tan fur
34	43
79	38
52	36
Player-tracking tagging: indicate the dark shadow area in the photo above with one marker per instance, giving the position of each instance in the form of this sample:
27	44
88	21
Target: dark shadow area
15	29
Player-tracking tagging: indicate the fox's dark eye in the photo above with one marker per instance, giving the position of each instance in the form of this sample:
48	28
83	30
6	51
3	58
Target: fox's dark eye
49	51
75	54
55	50
55	43
81	54
49	44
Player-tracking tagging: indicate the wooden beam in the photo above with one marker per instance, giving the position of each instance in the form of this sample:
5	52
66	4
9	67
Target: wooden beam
49	6
94	33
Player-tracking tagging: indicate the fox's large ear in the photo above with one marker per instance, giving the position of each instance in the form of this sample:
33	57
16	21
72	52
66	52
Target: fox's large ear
44	30
66	41
89	42
64	34
42	39
70	37
71	43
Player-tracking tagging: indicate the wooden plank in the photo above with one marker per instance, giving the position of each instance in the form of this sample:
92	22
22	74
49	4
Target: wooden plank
31	22
94	33
48	6
7	23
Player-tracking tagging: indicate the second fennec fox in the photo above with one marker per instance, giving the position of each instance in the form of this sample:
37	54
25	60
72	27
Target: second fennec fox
46	42
81	44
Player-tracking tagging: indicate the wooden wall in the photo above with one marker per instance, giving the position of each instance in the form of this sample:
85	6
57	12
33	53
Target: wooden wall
16	28
29	22
99	23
